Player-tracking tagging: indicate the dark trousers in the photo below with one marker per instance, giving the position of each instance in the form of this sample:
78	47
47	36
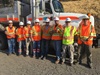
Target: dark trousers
85	50
57	46
45	47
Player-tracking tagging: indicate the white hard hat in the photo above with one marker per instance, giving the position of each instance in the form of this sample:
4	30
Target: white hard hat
85	17
21	23
68	19
29	22
37	20
47	20
10	21
56	18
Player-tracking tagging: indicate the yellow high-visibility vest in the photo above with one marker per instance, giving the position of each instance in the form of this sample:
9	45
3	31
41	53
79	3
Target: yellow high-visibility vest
68	36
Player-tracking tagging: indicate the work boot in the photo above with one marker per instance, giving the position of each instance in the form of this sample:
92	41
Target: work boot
75	63
90	66
19	54
57	62
37	57
14	53
42	57
62	63
26	55
80	62
34	56
70	64
8	54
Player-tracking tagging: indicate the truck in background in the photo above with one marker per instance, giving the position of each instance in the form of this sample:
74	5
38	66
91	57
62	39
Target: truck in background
24	10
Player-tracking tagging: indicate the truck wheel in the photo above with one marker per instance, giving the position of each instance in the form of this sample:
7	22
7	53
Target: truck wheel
3	42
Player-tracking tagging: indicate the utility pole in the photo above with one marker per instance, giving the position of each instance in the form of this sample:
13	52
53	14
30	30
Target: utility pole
34	9
37	8
32	2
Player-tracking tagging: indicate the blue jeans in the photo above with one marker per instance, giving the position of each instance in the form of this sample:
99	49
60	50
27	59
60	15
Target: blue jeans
36	48
11	45
45	47
21	44
57	46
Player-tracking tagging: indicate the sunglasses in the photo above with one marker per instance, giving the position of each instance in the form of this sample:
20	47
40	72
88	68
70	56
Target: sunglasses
67	22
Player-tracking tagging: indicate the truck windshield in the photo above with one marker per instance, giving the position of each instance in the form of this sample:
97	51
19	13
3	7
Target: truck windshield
57	6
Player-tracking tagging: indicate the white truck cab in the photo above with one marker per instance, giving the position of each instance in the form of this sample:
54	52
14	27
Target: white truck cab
53	8
24	10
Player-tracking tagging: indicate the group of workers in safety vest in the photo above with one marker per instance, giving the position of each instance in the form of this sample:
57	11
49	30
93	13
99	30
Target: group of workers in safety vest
62	37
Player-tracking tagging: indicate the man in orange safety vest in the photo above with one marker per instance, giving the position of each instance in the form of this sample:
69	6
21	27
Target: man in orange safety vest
36	38
85	33
10	32
20	32
28	36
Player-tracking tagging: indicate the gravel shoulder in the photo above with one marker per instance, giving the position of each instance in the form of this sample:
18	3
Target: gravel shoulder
20	65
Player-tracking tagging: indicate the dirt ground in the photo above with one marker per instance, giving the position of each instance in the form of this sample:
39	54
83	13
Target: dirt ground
20	65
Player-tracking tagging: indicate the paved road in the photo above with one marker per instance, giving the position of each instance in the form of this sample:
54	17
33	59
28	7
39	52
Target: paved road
20	65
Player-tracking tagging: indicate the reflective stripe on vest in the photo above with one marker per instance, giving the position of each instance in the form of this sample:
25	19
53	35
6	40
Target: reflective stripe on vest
27	31
85	33
68	36
36	32
46	32
20	32
10	31
56	35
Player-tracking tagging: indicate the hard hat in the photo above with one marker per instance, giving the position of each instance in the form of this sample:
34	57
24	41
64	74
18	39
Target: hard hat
47	20
37	20
10	21
85	17
68	19
29	22
56	18
21	23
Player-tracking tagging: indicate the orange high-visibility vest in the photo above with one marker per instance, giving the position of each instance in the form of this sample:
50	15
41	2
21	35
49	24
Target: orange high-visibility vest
36	32
57	35
20	32
10	31
85	32
27	31
46	32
